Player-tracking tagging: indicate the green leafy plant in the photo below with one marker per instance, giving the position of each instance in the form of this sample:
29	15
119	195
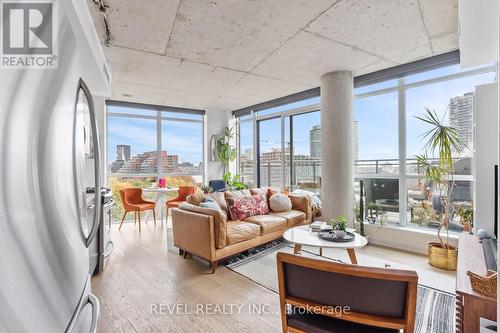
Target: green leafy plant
226	153
206	189
467	215
234	182
441	141
340	223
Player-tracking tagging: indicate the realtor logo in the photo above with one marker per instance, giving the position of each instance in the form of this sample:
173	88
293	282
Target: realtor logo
29	34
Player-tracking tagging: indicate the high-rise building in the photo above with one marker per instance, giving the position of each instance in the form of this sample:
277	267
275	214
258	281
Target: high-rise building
461	117
315	142
123	152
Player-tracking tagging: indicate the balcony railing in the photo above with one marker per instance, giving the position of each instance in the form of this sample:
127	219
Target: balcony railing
310	170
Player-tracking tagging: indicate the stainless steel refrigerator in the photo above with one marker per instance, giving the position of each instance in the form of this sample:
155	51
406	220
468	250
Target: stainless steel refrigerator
49	194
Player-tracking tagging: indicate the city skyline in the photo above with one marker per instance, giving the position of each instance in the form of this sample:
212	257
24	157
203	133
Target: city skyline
147	162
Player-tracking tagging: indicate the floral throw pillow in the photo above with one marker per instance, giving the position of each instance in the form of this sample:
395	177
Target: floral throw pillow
241	208
261	206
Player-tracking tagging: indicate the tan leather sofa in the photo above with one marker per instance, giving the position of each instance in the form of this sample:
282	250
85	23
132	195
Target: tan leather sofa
209	234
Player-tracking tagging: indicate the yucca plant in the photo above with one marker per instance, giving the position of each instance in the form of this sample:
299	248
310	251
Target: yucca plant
442	140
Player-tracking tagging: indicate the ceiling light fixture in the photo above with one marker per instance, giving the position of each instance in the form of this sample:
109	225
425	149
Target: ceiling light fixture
102	7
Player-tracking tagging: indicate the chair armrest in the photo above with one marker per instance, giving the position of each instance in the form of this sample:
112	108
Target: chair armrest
194	233
302	203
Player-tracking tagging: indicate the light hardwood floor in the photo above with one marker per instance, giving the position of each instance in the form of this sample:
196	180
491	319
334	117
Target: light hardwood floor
142	274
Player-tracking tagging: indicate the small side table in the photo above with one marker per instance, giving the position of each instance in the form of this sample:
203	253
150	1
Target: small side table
303	235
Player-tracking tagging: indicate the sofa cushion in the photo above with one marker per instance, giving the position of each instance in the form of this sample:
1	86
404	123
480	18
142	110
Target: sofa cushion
280	203
242	207
292	217
220	199
260	191
237	194
261	207
238	231
195	199
302	203
210	203
267	223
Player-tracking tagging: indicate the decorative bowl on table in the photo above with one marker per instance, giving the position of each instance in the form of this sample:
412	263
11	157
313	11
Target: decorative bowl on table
330	236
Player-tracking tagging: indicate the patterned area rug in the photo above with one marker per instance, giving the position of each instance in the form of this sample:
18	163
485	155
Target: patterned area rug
435	308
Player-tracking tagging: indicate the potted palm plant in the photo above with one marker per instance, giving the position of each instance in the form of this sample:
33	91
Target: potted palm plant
442	140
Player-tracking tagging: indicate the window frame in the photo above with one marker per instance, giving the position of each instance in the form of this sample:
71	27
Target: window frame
401	89
162	113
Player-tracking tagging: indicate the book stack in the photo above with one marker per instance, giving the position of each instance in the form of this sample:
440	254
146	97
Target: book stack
318	226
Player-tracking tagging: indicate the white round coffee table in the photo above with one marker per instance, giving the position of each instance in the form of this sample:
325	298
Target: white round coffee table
302	235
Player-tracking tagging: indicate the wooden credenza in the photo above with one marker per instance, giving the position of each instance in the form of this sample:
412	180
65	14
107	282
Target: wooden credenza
470	304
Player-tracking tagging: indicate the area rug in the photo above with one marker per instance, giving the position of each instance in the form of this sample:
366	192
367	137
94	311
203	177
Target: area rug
435	308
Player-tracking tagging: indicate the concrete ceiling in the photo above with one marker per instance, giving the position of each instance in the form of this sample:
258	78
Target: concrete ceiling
228	54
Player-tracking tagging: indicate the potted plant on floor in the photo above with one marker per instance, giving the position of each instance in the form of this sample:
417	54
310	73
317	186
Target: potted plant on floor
339	226
442	140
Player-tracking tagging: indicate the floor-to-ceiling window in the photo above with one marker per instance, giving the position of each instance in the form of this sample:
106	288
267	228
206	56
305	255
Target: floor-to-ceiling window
246	150
450	93
287	141
376	152
270	157
145	144
387	138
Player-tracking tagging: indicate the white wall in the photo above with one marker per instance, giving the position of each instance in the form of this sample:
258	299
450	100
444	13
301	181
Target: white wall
215	123
486	147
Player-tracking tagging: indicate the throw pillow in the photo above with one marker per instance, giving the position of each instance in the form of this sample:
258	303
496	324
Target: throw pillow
210	203
237	194
195	199
219	198
271	192
280	203
242	208
261	205
260	191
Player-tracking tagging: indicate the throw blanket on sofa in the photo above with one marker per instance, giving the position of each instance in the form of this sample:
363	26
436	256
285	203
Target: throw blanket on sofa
315	200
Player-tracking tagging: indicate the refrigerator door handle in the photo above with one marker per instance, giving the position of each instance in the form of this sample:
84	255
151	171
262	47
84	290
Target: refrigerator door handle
97	166
95	312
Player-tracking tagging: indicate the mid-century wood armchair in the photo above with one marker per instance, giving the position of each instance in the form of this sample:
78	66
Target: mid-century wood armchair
343	297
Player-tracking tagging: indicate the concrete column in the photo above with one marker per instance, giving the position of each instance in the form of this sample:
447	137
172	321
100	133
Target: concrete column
337	146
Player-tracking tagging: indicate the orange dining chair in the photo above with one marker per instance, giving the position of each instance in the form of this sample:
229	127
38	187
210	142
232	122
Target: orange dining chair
132	201
184	191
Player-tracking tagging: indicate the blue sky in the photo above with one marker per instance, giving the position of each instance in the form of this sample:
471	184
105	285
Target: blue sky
178	138
377	116
377	121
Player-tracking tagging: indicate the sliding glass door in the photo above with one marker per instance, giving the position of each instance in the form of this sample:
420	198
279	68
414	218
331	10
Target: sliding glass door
289	151
304	161
270	147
